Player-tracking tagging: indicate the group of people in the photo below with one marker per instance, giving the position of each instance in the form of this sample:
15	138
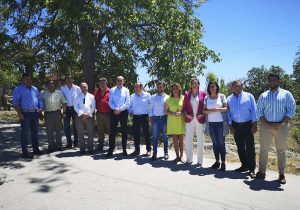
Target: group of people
176	115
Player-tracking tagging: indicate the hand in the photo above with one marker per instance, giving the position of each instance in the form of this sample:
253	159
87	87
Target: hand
254	129
178	114
190	116
21	116
41	116
117	111
84	116
199	116
150	120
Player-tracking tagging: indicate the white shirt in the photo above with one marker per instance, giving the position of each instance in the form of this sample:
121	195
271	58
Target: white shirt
195	103
85	104
70	94
214	103
157	105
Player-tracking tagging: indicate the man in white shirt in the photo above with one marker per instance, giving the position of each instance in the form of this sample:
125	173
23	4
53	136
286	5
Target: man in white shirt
158	118
139	108
70	91
84	106
119	101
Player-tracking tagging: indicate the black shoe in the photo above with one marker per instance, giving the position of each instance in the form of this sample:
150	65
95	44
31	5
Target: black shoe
260	175
135	153
124	153
60	149
100	148
68	146
109	154
75	145
252	174
37	152
91	152
176	159
50	151
153	158
282	179
27	155
216	165
223	167
82	152
242	169
166	156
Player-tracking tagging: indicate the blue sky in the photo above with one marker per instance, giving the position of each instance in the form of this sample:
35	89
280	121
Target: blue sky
249	33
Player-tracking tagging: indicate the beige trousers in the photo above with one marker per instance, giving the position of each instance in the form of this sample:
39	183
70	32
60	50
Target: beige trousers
81	125
103	126
266	135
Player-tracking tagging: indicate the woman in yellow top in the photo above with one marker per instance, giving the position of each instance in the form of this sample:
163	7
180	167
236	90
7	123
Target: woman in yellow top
175	120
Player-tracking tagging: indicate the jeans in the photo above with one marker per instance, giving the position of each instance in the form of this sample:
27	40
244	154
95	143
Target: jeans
114	120
244	140
30	122
138	122
159	124
218	140
70	113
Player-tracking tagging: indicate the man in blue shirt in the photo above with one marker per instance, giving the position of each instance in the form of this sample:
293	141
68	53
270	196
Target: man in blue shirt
28	104
275	108
139	108
119	101
242	121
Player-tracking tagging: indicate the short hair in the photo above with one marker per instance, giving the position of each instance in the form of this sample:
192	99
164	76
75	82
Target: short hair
212	83
139	83
50	80
102	79
160	82
236	81
274	75
179	88
26	74
68	75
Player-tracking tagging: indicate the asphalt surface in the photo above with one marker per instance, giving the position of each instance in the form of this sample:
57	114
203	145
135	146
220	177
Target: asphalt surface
66	180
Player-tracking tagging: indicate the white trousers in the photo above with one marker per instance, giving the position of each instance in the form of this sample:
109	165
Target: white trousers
190	129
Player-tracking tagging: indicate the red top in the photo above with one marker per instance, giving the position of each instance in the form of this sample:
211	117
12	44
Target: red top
187	106
102	100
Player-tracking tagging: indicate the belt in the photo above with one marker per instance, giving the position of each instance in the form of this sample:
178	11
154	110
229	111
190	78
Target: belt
274	122
52	111
162	116
70	106
29	110
242	123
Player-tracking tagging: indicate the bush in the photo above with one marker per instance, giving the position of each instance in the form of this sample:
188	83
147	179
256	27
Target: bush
296	134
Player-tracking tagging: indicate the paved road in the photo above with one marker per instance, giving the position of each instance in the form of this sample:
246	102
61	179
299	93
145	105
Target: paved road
65	180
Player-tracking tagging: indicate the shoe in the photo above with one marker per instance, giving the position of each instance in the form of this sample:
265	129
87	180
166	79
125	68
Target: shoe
100	147
27	155
82	152
135	153
109	154
189	163
216	165
68	146
37	152
176	159
91	152
223	167
124	153
252	174
166	156
282	179
153	158
260	175
148	153
242	169
50	151
75	145
60	149
182	160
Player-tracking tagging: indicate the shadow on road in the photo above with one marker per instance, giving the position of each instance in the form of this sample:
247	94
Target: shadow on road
258	185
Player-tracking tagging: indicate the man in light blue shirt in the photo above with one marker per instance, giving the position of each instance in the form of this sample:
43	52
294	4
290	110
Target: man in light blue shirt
119	101
139	108
276	107
158	118
242	121
28	104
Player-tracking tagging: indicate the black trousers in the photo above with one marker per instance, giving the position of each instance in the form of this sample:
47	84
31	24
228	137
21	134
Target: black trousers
138	122
114	120
244	140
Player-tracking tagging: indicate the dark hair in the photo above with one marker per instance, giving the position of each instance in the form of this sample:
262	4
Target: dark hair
102	79
194	79
212	83
50	80
236	81
161	83
26	74
273	75
179	88
140	84
68	75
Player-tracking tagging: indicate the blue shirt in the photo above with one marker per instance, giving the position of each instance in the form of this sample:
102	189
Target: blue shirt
157	105
242	108
274	106
139	104
119	98
27	98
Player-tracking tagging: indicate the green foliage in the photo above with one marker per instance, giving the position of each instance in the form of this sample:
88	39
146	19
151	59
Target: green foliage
108	38
256	82
296	134
296	74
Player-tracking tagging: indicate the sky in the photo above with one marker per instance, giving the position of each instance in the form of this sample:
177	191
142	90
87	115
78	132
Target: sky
249	33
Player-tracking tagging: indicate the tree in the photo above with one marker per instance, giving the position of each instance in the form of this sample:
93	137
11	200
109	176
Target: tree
213	77
296	74
257	80
111	37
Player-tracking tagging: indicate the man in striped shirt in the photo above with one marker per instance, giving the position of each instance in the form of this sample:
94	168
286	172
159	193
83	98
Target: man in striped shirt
275	108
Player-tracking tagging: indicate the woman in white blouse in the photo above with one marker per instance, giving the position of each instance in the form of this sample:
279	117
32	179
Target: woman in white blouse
215	104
